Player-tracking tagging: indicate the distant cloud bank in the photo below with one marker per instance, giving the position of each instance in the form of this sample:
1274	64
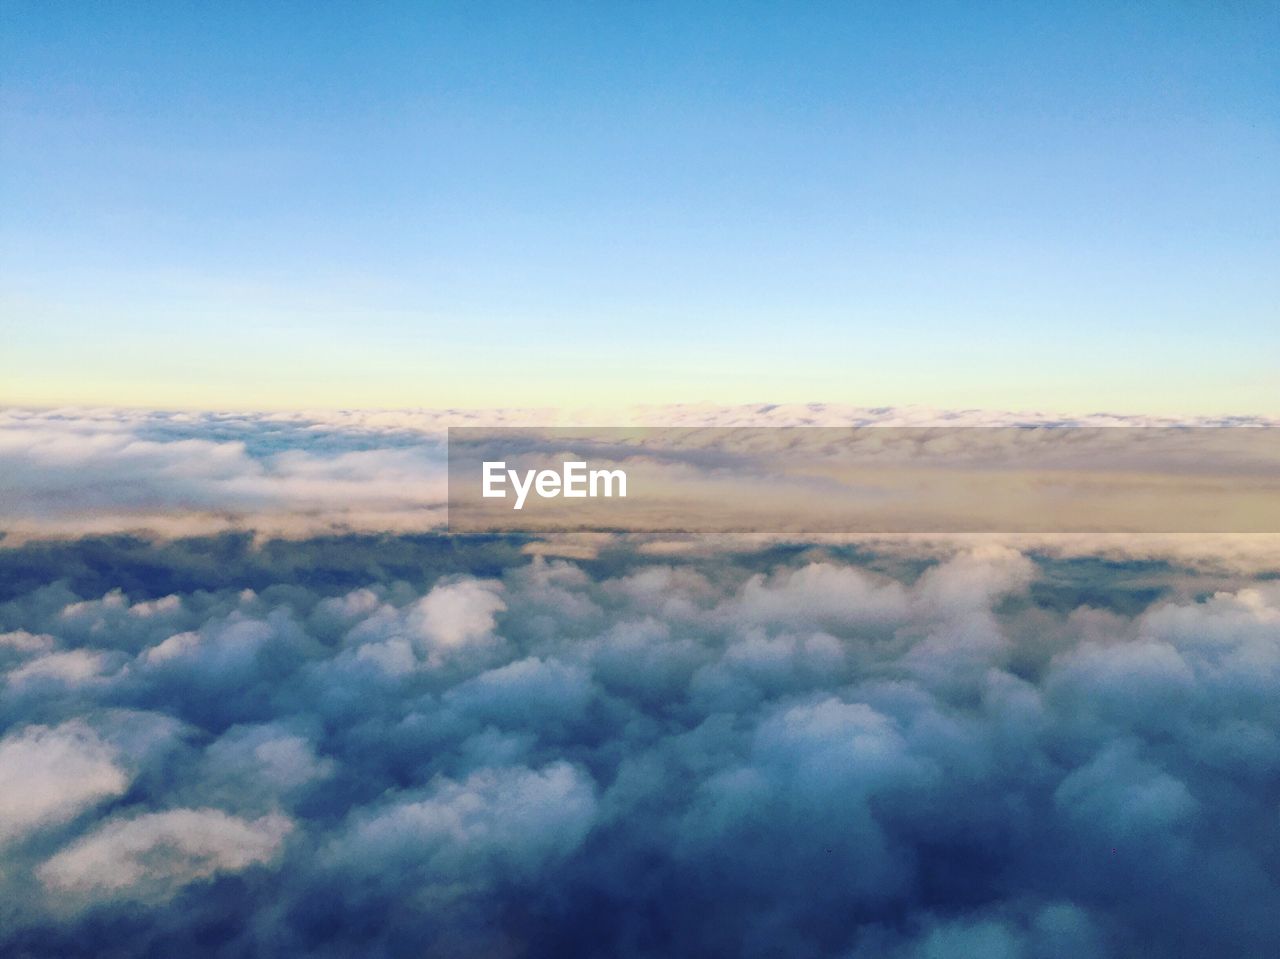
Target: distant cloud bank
73	472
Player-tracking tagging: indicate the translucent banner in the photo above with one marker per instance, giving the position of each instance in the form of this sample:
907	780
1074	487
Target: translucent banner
804	480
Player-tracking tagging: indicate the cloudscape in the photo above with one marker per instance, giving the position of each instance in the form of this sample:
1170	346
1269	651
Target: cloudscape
258	701
415	746
640	481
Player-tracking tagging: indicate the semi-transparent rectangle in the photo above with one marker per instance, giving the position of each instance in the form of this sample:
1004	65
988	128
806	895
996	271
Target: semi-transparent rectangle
806	480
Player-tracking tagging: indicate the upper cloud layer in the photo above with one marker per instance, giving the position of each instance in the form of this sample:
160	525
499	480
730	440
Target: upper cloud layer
78	472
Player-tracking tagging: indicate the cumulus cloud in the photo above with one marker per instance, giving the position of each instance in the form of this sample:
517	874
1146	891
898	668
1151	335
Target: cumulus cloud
72	667
49	775
150	857
496	825
257	767
457	613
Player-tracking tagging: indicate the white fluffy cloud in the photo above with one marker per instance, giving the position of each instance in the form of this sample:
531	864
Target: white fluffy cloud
49	775
495	825
150	857
455	614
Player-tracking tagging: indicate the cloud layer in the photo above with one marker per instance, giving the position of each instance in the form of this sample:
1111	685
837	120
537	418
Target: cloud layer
408	746
78	472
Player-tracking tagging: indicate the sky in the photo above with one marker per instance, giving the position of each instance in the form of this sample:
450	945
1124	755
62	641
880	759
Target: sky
1068	206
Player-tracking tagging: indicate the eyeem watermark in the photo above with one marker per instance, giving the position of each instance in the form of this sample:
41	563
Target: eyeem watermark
574	481
857	480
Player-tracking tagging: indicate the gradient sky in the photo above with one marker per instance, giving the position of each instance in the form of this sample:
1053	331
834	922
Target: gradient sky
1066	206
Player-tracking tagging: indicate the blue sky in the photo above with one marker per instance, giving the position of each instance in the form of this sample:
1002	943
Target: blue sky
1026	205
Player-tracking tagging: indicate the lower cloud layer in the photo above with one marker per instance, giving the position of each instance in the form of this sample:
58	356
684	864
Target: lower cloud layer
412	746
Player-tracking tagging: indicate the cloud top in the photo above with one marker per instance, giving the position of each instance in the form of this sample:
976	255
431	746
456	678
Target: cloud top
818	752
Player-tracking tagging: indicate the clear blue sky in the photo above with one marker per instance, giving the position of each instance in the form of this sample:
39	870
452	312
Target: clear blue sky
1070	206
